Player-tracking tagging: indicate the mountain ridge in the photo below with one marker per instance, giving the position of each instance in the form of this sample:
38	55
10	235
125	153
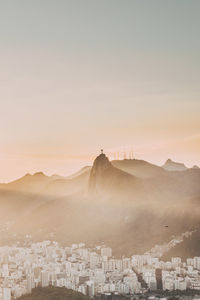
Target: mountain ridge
171	165
128	212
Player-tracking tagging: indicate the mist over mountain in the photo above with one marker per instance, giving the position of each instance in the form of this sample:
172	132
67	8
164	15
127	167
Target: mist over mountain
188	248
124	203
138	168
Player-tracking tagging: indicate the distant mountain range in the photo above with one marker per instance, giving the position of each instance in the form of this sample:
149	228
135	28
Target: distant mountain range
171	165
124	203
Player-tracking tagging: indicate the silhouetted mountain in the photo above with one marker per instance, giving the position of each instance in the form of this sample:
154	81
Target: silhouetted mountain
29	183
105	177
171	165
100	165
54	185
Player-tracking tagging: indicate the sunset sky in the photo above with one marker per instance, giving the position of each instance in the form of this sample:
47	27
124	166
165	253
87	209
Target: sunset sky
79	75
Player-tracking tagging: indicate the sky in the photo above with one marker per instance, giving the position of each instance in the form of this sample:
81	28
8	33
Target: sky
77	76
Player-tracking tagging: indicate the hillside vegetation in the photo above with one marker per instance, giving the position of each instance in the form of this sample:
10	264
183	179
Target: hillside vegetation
54	293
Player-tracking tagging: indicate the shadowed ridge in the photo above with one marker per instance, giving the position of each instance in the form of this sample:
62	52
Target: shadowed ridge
100	164
106	178
138	168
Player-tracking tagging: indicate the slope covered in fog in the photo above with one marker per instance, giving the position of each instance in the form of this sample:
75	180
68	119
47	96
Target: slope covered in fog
190	247
139	168
105	204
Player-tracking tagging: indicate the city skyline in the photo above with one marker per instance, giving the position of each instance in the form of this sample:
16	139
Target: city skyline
95	271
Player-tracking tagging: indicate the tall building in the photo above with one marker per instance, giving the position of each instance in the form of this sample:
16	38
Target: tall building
45	278
6	293
106	251
176	262
153	284
90	288
197	263
30	283
83	279
126	263
159	279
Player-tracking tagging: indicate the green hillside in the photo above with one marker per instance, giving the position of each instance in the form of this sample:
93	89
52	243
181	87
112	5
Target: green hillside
54	293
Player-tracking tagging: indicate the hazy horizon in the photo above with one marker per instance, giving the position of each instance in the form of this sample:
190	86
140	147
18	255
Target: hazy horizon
77	165
80	76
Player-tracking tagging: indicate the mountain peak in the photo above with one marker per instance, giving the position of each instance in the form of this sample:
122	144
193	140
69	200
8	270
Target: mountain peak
171	165
101	163
195	167
39	174
169	160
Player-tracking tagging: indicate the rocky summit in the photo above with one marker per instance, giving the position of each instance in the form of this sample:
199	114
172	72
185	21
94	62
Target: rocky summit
100	164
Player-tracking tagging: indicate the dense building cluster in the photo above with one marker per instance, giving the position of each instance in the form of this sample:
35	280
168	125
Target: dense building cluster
90	271
170	275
